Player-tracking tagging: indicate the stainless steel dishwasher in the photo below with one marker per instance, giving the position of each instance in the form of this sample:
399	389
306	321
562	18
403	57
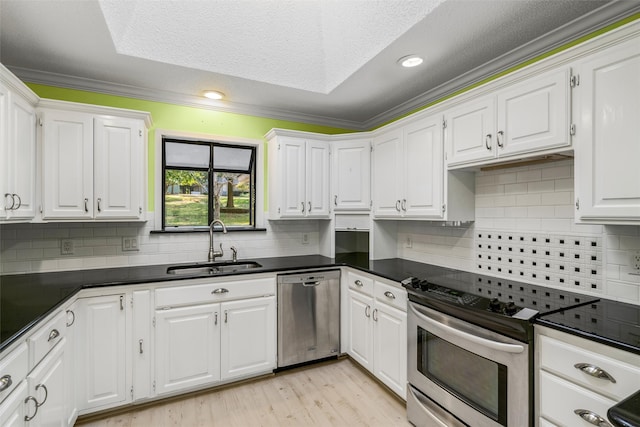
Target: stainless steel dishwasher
308	316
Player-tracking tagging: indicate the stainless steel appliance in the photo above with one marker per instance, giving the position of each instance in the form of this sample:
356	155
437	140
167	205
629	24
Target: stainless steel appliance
308	316
470	345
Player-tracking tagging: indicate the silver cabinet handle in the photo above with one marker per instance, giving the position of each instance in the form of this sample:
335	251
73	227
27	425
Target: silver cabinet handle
73	317
398	205
375	312
53	335
86	204
226	316
99	202
389	294
5	382
13	202
592	418
594	371
140	345
215	322
358	283
367	311
335	200
309	207
499	138
404	205
487	141
27	417
19	201
46	394
302	203
121	303
220	291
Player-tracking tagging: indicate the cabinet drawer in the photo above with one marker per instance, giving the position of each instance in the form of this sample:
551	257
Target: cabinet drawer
360	283
559	399
391	295
560	358
213	292
45	338
352	222
13	369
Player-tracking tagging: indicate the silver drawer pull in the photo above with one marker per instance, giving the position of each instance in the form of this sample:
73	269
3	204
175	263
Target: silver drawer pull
358	283
53	334
5	382
73	317
46	394
592	418
594	371
389	295
140	344
27	417
220	291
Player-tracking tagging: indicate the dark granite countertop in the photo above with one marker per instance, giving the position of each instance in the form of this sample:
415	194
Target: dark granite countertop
25	299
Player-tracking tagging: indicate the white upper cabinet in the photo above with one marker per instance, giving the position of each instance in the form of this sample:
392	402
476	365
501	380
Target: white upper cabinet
607	176
17	149
351	176
408	178
298	177
523	119
92	166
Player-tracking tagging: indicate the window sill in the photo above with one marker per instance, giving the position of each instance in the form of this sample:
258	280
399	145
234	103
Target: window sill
205	230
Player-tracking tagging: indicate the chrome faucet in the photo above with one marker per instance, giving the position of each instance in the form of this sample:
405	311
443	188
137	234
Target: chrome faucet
234	252
214	254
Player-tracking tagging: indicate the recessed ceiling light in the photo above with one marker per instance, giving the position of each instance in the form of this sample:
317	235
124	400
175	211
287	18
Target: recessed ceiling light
410	61
213	94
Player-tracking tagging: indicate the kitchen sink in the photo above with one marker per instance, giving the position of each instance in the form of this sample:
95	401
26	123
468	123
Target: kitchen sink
212	268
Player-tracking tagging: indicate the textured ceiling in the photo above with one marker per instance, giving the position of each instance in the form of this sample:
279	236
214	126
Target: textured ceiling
312	45
318	61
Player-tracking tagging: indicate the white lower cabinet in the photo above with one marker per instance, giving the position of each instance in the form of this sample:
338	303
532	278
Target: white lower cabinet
578	379
48	400
187	347
103	372
204	342
248	337
377	329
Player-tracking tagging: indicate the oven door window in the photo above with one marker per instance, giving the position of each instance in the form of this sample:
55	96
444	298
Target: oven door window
479	382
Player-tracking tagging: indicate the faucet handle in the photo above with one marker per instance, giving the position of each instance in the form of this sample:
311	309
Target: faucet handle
235	253
221	251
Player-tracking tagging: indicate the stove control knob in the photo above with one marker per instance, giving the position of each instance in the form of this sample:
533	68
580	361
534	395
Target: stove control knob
424	285
415	283
495	305
511	308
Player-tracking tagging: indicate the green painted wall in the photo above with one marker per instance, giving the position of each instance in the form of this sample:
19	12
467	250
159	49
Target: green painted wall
186	119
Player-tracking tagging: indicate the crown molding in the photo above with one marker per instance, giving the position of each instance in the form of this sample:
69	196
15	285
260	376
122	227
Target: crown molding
146	94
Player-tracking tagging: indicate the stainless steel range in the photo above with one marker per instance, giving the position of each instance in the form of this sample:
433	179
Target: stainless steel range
470	347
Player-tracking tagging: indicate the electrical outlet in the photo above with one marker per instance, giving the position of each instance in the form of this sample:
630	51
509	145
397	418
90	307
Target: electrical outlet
66	247
305	239
408	243
130	244
635	261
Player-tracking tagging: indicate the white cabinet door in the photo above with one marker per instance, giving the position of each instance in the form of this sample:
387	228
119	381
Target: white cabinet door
387	174
423	168
47	386
141	344
470	131
360	329
291	156
21	157
390	347
317	179
102	350
248	337
607	148
187	347
351	175
534	115
67	165
118	171
12	409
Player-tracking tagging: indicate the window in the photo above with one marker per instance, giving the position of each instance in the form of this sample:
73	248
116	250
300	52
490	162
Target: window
205	180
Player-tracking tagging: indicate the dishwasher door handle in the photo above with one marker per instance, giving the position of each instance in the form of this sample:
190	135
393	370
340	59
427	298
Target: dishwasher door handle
310	284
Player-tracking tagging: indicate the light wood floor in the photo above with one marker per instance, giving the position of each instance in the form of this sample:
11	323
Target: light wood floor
328	394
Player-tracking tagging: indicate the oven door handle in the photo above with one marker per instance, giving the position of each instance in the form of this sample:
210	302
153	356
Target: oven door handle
506	348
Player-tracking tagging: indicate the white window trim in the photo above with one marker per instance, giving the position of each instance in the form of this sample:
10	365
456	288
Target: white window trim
260	175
